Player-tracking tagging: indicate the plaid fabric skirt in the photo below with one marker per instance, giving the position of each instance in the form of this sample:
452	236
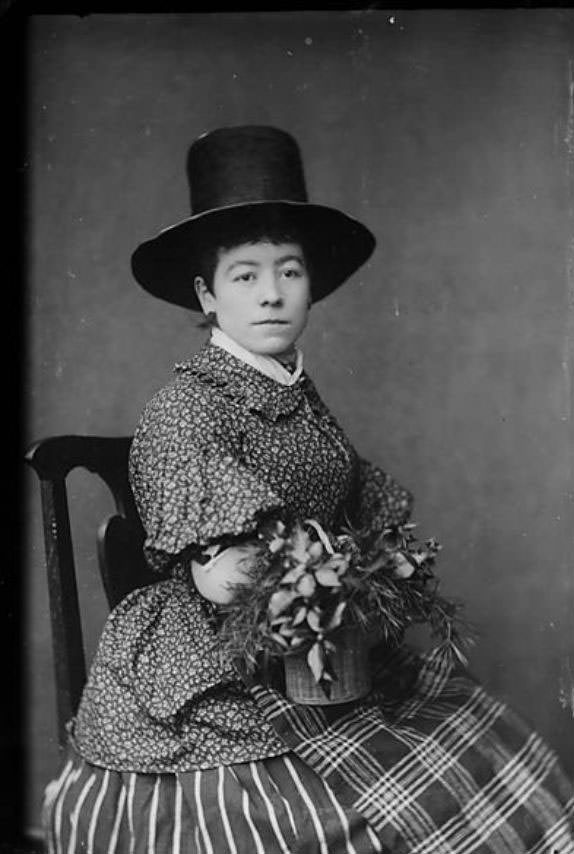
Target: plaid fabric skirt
442	768
273	806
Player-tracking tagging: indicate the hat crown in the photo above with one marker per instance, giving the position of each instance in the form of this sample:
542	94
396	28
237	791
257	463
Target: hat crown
245	164
250	175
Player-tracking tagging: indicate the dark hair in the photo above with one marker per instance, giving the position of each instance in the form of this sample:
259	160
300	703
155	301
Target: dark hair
250	227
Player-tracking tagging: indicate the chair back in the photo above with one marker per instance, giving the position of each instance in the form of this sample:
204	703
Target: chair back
119	546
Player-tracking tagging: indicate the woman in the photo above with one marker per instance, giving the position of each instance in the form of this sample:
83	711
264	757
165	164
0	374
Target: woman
171	749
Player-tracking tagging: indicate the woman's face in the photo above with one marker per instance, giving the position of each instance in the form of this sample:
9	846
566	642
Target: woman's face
261	296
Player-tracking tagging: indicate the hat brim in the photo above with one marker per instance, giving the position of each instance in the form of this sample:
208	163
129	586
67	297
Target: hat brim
338	244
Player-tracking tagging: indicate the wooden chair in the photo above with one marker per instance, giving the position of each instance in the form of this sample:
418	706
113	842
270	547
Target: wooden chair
119	544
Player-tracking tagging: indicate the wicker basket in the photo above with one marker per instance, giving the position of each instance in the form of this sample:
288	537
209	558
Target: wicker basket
350	662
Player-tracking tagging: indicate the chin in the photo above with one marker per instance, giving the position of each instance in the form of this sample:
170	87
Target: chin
271	345
274	350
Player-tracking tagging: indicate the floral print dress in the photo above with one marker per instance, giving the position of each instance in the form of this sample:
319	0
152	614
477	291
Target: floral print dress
171	751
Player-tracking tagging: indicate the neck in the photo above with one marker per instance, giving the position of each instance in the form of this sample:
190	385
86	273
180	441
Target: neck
287	358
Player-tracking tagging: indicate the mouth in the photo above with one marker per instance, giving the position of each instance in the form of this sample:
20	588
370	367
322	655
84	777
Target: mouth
271	323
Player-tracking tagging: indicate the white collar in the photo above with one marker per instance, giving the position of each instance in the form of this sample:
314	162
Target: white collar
264	364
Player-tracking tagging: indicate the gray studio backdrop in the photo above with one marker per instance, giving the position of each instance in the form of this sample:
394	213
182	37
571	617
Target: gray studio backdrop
447	358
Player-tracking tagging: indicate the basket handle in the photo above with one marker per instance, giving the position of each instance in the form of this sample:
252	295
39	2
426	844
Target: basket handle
322	535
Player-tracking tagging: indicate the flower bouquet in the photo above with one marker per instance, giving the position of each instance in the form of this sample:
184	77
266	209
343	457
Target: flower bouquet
320	601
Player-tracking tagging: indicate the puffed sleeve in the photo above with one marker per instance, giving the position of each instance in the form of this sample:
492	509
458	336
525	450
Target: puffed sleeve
377	499
189	483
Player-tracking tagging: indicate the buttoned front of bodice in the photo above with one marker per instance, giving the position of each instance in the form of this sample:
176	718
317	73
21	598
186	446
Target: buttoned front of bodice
284	434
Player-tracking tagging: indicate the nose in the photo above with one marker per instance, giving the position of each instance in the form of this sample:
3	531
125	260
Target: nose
269	290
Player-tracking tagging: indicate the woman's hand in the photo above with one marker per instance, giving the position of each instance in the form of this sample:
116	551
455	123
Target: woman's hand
214	579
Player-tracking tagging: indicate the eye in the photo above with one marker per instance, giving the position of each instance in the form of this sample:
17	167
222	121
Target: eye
292	273
247	276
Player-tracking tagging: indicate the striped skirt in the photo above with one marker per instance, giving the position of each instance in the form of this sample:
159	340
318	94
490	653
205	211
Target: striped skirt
273	806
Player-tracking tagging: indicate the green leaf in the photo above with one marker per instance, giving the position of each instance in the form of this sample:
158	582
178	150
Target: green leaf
340	563
287	630
301	542
314	619
300	615
293	575
276	544
306	585
379	563
316	661
327	577
315	549
280	601
280	640
337	617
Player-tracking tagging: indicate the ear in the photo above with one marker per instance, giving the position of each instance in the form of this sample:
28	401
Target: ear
204	295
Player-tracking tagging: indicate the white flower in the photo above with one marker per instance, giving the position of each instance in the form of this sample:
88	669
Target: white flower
403	566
